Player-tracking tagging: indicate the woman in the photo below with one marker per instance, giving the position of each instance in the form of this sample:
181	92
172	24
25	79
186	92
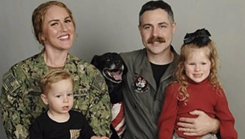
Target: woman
20	102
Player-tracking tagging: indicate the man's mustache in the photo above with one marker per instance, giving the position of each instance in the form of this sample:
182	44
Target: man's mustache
156	39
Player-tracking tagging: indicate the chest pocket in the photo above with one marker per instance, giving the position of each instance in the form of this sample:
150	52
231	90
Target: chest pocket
139	84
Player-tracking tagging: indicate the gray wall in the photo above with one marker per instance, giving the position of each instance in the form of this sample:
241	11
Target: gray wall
111	25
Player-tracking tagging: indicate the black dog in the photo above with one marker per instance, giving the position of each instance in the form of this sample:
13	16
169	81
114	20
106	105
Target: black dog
113	69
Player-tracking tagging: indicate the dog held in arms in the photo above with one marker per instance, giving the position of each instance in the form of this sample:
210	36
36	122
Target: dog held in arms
113	69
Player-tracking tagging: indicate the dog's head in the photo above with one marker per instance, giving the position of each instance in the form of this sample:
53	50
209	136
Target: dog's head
111	66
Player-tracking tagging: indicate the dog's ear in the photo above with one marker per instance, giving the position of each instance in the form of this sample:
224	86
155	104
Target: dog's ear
125	68
95	60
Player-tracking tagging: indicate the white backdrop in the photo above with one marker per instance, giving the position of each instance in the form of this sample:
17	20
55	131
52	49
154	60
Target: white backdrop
111	25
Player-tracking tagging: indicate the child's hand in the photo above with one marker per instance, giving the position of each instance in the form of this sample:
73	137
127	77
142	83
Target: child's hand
95	137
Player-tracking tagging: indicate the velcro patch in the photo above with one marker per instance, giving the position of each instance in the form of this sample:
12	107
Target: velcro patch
98	82
10	83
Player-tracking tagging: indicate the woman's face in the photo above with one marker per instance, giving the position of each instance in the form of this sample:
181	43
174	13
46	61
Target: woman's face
58	29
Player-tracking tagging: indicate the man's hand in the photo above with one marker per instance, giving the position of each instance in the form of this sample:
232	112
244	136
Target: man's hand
201	125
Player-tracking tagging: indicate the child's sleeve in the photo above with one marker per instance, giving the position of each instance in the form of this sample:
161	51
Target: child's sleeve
225	117
36	130
168	115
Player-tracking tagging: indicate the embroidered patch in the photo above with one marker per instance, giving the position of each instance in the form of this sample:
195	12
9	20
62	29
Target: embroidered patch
140	84
98	82
34	93
10	83
74	133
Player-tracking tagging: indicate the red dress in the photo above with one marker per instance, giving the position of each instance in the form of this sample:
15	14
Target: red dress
202	96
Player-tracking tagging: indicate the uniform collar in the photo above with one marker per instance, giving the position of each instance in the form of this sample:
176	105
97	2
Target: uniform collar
40	58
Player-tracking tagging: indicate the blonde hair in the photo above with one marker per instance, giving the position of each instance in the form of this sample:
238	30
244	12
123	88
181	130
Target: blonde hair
39	13
180	75
54	76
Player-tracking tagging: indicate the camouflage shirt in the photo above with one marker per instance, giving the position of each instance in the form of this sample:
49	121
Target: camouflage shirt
20	100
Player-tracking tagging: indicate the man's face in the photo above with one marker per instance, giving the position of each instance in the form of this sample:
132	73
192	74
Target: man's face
156	31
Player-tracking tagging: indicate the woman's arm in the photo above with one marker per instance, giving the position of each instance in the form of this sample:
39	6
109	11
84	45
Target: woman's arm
100	106
15	119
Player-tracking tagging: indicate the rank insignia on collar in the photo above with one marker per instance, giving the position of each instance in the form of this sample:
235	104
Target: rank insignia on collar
140	84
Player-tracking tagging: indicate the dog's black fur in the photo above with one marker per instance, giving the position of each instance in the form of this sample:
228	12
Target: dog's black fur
113	69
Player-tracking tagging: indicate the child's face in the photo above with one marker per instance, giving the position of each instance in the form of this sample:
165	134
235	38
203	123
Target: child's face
197	65
59	97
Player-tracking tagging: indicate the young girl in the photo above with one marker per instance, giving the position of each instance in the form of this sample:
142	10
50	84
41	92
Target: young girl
197	87
60	122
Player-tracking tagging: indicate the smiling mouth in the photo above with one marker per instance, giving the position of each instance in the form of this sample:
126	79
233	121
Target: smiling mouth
64	37
197	75
114	75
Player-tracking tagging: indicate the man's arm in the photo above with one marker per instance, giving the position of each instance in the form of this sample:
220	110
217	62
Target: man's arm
201	125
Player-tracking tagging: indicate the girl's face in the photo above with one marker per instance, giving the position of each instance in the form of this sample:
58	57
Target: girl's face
197	65
58	29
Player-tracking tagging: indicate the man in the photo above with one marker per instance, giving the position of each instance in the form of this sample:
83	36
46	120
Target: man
150	71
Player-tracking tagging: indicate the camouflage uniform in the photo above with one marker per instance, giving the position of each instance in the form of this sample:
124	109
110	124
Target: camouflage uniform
20	100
